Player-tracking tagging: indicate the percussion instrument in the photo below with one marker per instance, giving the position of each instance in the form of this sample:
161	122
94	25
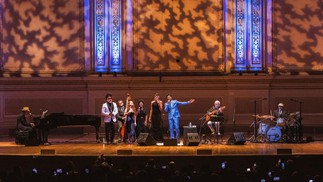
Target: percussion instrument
281	122
263	128
274	134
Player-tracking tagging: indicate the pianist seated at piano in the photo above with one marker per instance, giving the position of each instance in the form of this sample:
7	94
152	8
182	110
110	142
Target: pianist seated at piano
214	117
25	123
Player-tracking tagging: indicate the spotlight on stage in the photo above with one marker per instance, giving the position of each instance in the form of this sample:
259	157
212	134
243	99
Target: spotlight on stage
256	73
240	73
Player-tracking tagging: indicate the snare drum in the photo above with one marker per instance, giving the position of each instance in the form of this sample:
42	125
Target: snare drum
274	134
263	128
281	122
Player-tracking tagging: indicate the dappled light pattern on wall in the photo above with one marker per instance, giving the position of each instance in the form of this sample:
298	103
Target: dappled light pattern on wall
42	37
181	35
299	39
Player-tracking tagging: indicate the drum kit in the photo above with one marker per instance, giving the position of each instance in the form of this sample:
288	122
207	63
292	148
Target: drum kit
285	130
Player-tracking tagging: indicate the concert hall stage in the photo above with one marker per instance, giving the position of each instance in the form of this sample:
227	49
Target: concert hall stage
83	150
85	145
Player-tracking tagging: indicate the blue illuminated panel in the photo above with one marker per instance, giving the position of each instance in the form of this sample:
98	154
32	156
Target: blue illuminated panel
115	35
100	62
256	35
107	34
248	35
240	35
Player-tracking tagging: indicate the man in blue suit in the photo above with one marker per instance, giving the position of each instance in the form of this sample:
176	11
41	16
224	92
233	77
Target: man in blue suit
171	107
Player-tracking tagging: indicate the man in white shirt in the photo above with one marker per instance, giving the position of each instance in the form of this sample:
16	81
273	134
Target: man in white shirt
109	111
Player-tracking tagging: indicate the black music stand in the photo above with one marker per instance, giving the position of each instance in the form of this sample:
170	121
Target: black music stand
220	120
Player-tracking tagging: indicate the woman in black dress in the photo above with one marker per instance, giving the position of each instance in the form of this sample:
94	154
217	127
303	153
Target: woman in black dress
141	118
155	118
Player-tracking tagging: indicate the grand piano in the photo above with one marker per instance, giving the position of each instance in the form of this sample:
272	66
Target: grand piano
54	120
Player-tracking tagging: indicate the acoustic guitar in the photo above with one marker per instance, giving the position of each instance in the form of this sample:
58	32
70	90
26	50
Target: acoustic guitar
208	115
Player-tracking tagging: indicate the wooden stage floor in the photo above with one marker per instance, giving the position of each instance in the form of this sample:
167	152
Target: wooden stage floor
85	145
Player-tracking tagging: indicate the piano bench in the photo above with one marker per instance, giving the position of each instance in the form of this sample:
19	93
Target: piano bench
21	137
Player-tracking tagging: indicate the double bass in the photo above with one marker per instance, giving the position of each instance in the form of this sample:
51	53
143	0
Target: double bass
208	115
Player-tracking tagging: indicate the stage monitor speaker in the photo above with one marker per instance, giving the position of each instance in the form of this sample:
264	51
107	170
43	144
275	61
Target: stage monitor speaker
192	139
204	152
47	151
124	152
237	138
284	151
144	139
170	142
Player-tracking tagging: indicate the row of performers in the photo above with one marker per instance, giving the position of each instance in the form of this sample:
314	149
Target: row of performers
128	121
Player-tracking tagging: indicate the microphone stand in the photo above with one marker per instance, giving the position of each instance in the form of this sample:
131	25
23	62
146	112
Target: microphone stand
300	108
203	121
255	140
234	119
300	133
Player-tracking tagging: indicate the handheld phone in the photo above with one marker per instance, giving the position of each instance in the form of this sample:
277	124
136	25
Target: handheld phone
163	167
276	178
223	165
283	165
248	169
59	171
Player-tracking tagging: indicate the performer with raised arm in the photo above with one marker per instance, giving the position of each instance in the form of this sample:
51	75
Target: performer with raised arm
217	111
109	111
171	107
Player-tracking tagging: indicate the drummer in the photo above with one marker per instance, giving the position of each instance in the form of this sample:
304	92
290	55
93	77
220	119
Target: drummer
281	115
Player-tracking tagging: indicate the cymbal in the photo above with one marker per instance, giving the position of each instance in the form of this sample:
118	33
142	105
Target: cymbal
255	115
267	117
294	113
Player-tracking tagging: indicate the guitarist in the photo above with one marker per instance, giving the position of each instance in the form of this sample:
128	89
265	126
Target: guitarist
218	111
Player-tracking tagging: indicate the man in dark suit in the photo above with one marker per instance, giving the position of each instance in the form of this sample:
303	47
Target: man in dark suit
25	123
120	121
280	115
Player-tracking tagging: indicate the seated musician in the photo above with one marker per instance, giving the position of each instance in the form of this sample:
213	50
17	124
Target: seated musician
216	110
25	122
280	115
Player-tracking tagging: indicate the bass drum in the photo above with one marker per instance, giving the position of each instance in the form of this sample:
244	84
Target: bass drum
274	134
263	128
